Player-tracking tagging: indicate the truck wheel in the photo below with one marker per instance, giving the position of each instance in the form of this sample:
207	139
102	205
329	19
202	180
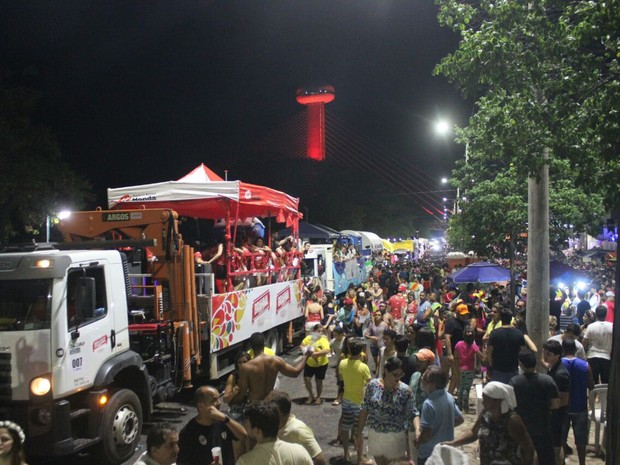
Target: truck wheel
121	427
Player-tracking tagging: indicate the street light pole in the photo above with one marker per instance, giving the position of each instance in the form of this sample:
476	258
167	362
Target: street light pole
458	190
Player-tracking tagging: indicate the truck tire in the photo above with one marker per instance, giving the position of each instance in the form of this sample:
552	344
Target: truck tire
121	426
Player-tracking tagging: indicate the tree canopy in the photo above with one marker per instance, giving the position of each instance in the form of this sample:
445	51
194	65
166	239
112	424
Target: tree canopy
495	206
34	181
544	74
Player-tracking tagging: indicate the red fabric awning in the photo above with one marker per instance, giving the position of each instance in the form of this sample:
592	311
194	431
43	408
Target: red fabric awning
203	194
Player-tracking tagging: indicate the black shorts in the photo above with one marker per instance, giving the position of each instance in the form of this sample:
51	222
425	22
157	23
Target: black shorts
319	372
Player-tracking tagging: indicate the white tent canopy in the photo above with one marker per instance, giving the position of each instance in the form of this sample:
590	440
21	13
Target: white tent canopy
370	241
203	194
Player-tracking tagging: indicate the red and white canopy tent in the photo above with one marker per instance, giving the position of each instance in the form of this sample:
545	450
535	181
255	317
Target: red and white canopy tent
203	194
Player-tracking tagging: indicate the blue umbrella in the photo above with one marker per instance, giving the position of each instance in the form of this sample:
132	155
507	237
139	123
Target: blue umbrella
481	272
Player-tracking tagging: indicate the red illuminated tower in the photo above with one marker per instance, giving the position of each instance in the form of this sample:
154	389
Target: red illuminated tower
316	98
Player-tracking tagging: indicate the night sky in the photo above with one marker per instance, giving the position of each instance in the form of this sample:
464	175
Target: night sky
143	91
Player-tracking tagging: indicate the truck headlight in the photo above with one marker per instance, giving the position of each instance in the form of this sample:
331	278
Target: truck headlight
40	386
44	263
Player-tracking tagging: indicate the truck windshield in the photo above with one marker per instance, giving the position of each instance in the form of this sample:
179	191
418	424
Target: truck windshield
25	304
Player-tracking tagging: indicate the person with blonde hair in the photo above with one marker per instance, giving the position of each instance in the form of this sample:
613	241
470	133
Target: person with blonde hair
553	323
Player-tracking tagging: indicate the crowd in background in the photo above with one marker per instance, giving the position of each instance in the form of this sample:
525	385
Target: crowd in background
408	345
412	312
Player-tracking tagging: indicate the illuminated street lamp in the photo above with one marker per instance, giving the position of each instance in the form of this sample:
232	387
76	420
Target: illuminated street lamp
54	219
442	127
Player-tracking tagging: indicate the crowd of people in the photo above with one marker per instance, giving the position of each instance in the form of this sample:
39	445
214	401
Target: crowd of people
409	345
247	261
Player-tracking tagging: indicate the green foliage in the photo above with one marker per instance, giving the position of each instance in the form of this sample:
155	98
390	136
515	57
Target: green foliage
34	182
496	207
545	74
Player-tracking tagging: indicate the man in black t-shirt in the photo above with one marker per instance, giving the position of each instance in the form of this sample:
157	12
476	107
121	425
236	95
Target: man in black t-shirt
583	306
453	333
537	394
401	343
552	353
210	428
503	349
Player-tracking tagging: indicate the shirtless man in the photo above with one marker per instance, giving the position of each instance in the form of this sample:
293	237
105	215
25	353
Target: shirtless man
258	376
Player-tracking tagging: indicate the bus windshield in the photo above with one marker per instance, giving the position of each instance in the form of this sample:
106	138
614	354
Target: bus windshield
25	304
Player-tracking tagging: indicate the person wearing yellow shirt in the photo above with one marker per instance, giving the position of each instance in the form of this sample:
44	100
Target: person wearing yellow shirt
355	374
316	365
495	322
266	351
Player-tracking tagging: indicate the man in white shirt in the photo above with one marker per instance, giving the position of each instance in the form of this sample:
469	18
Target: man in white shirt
262	421
162	446
595	298
572	331
292	429
597	341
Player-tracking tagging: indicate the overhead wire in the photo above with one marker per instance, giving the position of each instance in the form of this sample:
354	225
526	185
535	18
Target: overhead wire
348	147
360	149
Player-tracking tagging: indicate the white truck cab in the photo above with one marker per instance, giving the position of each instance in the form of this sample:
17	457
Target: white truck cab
65	352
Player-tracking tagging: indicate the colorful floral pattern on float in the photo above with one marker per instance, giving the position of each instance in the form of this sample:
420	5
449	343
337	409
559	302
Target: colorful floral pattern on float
227	318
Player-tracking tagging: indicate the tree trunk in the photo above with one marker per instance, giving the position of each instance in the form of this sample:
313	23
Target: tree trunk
612	437
537	317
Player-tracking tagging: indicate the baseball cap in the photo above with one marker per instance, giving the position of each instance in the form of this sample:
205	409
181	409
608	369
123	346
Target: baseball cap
425	355
610	294
462	309
402	288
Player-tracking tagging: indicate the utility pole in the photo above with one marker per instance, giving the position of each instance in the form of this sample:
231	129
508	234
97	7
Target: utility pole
612	438
537	317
